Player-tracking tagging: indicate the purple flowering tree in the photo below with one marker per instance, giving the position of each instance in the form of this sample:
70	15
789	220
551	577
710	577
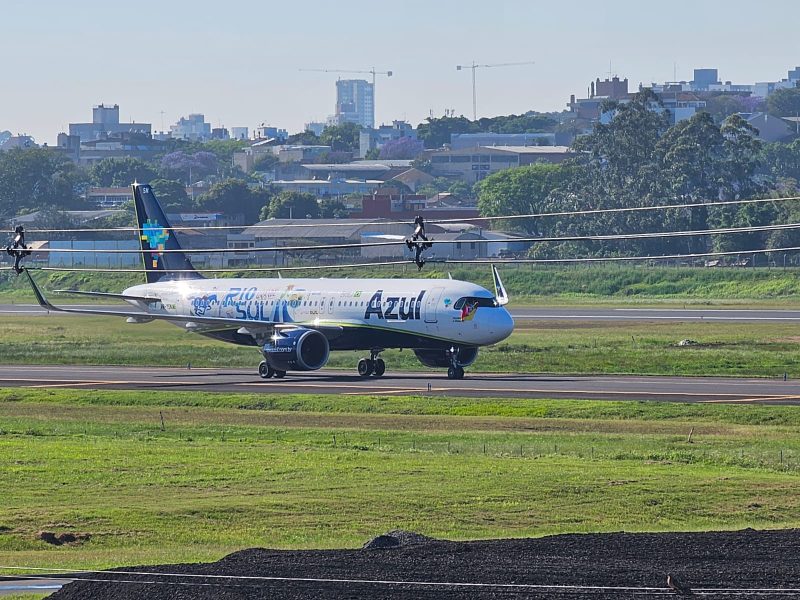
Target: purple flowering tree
401	148
189	167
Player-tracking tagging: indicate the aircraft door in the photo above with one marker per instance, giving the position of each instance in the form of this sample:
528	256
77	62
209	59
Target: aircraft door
431	302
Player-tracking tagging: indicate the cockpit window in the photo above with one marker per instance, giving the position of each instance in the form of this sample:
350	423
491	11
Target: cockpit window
474	301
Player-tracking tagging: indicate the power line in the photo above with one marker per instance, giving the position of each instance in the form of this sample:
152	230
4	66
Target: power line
433	261
402	242
310	223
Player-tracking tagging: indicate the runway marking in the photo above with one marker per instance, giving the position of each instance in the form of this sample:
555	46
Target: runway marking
751	400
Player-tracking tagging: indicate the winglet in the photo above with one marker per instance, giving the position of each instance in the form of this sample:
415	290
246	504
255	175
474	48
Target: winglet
43	302
499	289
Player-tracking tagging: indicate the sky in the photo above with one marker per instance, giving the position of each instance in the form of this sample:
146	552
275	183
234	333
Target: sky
240	62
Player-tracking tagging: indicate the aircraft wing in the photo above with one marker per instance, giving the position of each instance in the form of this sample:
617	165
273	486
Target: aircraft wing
192	322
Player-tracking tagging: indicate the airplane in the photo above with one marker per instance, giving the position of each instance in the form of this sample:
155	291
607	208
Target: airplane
297	322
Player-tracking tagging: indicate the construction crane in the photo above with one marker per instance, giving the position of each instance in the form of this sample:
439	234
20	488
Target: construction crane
372	71
475	66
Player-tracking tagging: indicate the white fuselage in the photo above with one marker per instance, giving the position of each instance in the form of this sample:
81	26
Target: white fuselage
406	310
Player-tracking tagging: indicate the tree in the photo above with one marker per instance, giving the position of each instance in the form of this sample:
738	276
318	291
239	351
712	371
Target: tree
401	148
172	195
372	154
724	105
232	196
293	205
330	208
33	178
189	167
520	191
341	138
784	103
265	162
436	132
306	138
121	172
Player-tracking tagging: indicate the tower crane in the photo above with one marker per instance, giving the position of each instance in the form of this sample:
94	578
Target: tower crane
372	71
475	66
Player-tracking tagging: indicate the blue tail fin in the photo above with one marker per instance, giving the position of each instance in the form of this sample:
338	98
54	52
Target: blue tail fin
156	235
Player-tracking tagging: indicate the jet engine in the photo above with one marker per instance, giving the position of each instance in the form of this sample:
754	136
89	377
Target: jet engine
297	350
441	358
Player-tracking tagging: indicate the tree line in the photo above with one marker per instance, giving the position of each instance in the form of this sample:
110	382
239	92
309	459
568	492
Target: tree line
638	159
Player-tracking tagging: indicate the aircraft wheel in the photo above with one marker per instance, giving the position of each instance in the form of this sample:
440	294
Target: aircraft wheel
380	367
280	374
265	371
455	373
365	367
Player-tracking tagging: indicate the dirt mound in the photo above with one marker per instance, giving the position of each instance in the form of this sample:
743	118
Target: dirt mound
617	565
63	538
397	538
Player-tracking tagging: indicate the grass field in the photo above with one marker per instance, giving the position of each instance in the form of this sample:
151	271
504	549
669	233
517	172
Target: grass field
234	471
740	349
527	285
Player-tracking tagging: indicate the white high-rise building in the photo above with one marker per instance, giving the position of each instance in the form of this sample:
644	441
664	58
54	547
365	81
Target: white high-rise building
355	102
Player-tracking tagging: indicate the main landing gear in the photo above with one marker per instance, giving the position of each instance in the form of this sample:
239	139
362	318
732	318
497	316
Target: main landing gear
267	372
455	370
372	365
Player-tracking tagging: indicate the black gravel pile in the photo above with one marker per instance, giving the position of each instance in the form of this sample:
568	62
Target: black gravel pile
743	559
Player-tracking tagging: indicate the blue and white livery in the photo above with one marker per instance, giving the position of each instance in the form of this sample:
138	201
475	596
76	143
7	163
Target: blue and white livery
295	322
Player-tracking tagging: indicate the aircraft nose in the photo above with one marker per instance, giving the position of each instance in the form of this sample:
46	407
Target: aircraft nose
504	325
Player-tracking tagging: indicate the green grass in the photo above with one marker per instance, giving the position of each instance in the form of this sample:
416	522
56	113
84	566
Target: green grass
736	349
232	471
614	284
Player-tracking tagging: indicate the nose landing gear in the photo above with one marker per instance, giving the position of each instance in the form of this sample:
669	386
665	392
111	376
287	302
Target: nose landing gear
372	365
455	370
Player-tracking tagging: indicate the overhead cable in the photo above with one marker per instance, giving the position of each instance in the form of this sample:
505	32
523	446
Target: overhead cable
433	262
433	240
310	222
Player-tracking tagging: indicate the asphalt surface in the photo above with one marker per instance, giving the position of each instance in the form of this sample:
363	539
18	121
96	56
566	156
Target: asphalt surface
740	564
31	586
432	383
565	313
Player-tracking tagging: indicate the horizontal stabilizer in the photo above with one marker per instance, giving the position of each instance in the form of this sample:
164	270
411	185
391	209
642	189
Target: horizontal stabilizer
109	295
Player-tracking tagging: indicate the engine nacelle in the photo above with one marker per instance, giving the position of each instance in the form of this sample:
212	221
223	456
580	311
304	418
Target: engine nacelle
297	350
440	358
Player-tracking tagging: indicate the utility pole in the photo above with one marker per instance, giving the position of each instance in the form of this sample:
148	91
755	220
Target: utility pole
475	66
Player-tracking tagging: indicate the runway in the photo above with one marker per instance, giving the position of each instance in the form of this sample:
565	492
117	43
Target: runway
432	383
547	313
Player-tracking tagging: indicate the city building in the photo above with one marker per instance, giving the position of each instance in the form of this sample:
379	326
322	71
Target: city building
459	141
193	128
315	127
267	132
387	204
375	138
105	123
220	133
240	133
771	129
355	102
473	164
17	141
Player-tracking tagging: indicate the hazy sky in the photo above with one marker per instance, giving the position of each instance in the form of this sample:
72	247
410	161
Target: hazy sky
238	62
